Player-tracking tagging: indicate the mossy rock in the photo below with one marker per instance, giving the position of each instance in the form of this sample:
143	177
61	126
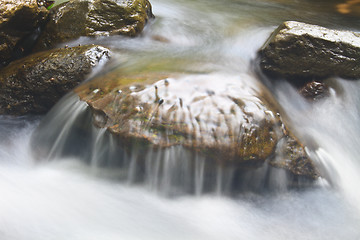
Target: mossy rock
18	19
300	51
35	83
70	20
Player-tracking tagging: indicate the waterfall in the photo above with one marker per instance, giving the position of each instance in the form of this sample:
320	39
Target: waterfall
68	131
63	178
330	129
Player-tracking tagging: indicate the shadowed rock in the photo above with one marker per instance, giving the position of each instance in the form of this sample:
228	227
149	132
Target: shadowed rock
18	19
35	83
315	90
298	50
73	19
232	120
291	156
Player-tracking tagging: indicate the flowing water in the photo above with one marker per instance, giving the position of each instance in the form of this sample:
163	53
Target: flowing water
65	198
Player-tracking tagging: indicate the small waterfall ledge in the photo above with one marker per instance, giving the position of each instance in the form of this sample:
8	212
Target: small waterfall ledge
195	134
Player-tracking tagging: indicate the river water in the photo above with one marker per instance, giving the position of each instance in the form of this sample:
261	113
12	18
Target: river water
64	199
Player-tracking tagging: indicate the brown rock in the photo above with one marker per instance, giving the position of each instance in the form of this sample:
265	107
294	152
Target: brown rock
291	155
231	120
315	90
17	20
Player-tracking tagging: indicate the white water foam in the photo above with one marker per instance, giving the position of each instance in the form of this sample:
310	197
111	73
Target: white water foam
330	128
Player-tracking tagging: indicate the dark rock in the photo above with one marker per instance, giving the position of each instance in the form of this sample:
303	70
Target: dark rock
18	19
298	50
231	120
315	90
76	18
35	83
291	155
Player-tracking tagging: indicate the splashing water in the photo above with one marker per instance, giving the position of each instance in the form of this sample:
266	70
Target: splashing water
57	200
66	198
330	129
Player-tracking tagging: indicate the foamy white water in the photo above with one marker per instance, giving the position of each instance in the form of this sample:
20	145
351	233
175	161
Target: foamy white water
64	200
61	197
331	130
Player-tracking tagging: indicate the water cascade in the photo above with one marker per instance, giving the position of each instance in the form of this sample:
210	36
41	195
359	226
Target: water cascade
330	128
64	177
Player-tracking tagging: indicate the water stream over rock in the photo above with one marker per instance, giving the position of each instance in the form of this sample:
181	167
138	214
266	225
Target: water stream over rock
61	177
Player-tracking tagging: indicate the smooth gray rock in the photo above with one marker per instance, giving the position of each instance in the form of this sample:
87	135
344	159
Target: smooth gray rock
298	50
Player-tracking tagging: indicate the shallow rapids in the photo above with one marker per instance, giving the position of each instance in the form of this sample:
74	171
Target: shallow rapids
330	130
64	197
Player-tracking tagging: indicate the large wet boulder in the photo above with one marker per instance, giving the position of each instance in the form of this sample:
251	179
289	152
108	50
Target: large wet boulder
231	120
77	18
297	50
35	83
18	19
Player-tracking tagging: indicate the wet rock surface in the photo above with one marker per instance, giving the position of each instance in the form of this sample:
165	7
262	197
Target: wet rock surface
298	50
315	90
18	19
231	120
291	155
73	19
35	83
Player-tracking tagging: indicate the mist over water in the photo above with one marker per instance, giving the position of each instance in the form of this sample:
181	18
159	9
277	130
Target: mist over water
68	193
331	131
63	199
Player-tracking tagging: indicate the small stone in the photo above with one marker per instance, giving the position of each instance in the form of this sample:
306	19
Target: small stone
315	90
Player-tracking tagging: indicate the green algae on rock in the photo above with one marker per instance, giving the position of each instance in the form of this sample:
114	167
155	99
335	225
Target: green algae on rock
76	18
17	20
35	83
297	50
229	119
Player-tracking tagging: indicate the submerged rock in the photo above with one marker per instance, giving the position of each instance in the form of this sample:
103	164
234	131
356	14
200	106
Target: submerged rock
226	119
77	18
298	50
18	19
35	83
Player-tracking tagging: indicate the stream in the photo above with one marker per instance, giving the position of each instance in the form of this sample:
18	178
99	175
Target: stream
65	198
